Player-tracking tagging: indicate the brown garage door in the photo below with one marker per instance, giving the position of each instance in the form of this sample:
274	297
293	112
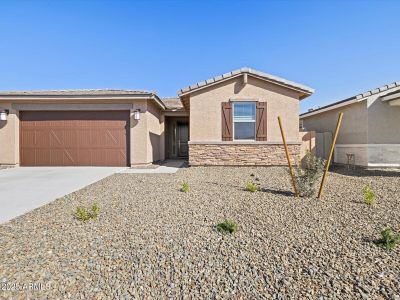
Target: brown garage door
74	138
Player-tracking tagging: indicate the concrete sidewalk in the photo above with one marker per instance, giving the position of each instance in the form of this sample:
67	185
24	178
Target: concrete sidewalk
168	167
25	188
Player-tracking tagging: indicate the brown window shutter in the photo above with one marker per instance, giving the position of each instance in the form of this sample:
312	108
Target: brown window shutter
261	121
227	121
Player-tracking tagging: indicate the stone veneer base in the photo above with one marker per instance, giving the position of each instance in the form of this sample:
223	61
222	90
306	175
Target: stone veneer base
235	154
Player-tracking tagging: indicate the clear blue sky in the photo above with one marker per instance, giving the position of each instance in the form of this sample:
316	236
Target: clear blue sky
339	48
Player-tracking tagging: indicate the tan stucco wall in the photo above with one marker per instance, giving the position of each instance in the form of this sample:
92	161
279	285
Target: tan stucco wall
156	134
353	129
360	152
139	136
383	133
205	108
383	122
9	137
370	130
307	143
146	135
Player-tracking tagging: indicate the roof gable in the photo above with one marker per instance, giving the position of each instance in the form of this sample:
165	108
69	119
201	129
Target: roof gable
302	89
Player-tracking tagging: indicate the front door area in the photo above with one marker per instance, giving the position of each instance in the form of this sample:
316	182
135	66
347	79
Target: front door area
183	138
177	137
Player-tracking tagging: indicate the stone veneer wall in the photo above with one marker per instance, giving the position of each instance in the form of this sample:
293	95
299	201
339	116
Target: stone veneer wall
226	154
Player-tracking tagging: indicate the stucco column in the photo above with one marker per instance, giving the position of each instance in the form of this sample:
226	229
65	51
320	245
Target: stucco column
138	134
162	137
9	137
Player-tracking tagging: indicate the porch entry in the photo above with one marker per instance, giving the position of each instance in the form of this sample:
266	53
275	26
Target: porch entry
177	137
183	138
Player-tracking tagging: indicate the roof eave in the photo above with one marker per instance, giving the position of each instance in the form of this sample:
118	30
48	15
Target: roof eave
24	97
391	97
385	90
332	107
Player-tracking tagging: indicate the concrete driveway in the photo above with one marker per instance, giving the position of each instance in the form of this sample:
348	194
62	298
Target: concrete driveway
25	188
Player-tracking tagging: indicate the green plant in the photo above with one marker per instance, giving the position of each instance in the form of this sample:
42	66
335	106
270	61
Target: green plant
251	187
185	187
227	226
95	210
389	239
369	196
83	214
307	175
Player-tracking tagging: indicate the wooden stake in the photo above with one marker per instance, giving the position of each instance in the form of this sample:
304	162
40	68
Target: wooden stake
288	157
328	162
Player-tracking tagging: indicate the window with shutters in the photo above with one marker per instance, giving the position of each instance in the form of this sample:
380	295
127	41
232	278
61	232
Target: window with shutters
244	120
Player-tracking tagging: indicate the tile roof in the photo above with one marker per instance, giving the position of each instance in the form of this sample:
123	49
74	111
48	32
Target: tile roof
78	92
91	93
395	86
172	103
250	71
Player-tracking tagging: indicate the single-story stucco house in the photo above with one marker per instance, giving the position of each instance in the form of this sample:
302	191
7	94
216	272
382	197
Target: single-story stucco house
370	128
227	120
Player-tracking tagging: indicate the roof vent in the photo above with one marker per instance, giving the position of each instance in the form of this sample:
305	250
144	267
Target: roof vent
310	109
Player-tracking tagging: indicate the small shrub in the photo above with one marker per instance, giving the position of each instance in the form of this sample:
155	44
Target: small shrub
83	214
95	210
251	187
389	239
308	175
227	226
185	187
369	196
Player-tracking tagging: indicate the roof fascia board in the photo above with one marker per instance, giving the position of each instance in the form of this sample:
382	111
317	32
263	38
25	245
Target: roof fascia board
391	97
282	84
158	101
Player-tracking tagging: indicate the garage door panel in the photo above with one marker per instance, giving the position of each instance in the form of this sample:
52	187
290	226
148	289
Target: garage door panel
87	138
41	138
42	157
57	156
27	137
70	157
84	157
101	155
27	156
115	155
64	138
56	138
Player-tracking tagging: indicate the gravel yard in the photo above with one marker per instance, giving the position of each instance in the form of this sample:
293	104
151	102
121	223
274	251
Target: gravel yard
153	241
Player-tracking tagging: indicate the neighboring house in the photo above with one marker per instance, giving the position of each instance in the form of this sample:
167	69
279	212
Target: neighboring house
227	120
370	127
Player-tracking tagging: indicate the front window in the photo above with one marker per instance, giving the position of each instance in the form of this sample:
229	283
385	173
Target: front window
244	120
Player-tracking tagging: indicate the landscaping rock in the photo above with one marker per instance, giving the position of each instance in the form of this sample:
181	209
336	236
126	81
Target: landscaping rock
151	241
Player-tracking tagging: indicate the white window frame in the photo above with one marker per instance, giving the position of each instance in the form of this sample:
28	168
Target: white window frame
233	120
